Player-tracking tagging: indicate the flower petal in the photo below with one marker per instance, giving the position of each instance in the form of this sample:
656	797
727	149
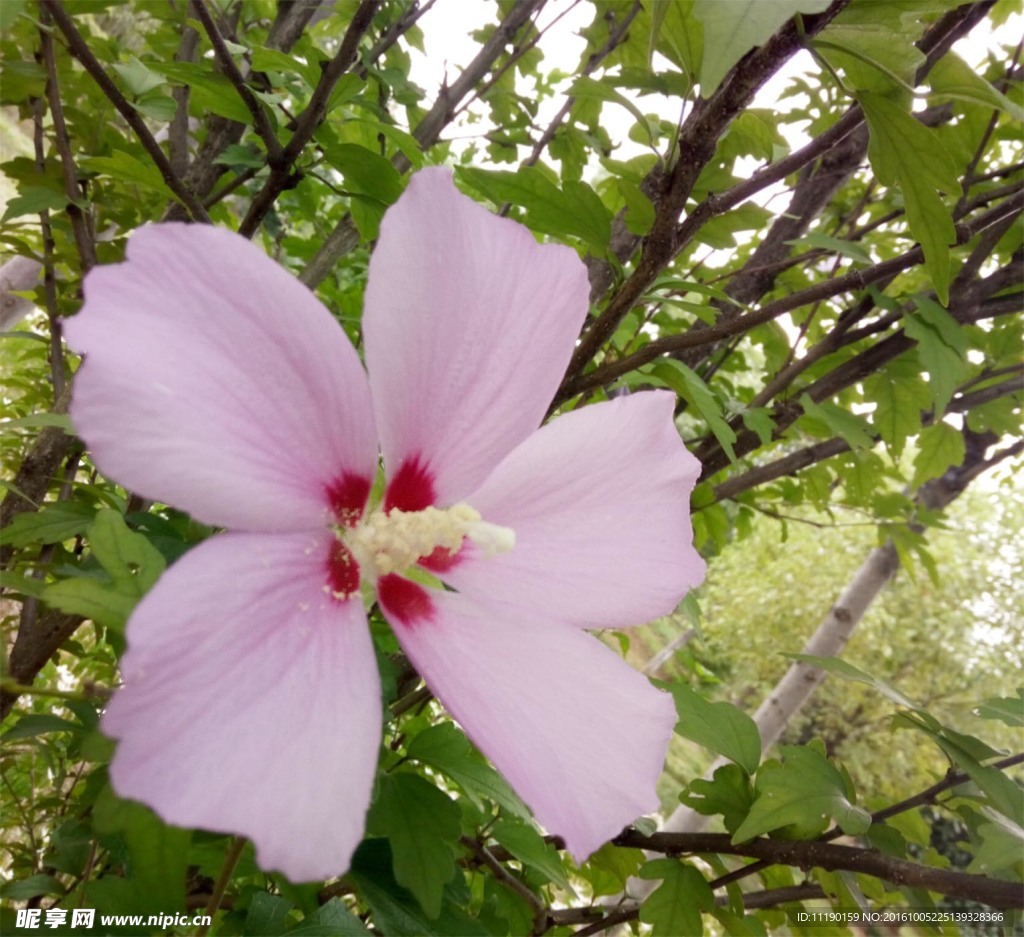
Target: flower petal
216	382
251	702
469	327
579	734
599	500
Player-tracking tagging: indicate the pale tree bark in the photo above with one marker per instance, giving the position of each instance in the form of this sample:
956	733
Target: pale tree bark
801	680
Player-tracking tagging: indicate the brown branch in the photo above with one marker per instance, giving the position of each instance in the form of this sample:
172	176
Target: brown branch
281	174
595	59
79	223
483	855
78	48
831	857
344	237
259	116
697	141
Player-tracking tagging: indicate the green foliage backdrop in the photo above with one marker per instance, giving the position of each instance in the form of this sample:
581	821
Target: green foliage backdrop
802	217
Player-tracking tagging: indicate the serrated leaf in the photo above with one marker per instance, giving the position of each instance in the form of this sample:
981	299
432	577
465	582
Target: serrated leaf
54	522
675	906
126	168
759	421
905	153
688	384
574	209
732	29
801	791
444	748
719	727
728	793
939	447
422	823
900	396
1001	848
585	87
31	200
841	422
940	349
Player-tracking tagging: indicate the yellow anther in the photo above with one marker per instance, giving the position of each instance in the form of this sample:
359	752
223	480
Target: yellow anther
393	541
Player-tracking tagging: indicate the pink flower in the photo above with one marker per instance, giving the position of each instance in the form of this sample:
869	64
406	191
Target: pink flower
216	382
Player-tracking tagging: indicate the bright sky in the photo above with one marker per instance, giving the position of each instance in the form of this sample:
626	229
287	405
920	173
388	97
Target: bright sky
448	26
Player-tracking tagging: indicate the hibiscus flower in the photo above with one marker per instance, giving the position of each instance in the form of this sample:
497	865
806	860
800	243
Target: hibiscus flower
216	382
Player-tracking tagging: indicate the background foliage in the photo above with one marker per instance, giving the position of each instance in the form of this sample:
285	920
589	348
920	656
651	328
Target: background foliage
802	217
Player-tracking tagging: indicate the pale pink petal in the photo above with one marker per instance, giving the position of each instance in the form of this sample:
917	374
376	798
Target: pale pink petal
599	500
216	382
579	734
469	326
251	702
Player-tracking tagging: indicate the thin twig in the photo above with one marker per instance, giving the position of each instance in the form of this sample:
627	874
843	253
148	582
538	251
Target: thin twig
78	47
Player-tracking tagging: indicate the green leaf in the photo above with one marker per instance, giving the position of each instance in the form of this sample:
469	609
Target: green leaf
801	791
159	853
393	909
585	87
31	200
759	421
941	349
365	172
818	239
330	920
132	565
574	209
422	823
1008	709
848	425
530	848
678	35
719	727
611	867
33	725
208	91
91	599
157	106
34	886
126	168
268	915
689	385
54	522
138	79
953	79
132	561
36	420
1001	849
444	748
639	210
732	29
675	906
904	152
848	671
940	447
900	396
728	793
